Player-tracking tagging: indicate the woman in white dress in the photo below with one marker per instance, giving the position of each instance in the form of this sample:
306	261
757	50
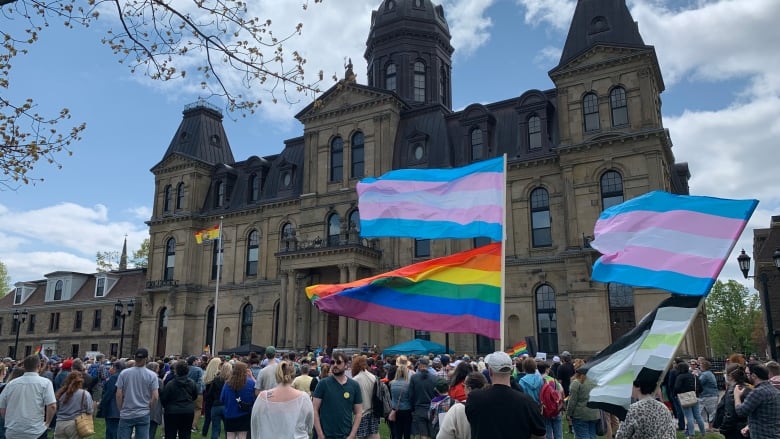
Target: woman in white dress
283	411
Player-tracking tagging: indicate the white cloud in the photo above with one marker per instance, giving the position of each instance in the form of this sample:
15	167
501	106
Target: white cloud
557	13
469	24
65	236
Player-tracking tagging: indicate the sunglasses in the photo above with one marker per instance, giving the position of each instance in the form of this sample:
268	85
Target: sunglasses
339	362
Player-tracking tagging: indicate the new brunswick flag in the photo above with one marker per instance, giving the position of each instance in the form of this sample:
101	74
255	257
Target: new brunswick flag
206	235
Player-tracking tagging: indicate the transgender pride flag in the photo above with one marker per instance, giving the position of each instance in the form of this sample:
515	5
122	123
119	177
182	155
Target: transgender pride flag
465	202
678	243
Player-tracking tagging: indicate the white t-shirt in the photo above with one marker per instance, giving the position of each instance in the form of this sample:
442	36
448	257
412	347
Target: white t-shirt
24	400
288	419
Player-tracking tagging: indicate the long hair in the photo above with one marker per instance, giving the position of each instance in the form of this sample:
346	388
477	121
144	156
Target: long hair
212	370
72	384
324	370
359	364
402	373
238	378
285	372
460	373
225	371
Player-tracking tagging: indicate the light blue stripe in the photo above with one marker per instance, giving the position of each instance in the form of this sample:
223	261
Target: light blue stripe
418	229
492	165
660	201
642	277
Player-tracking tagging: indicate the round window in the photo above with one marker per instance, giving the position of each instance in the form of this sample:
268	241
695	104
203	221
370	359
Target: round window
418	152
287	179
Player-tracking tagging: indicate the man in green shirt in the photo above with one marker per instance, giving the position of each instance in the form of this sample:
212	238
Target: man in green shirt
337	402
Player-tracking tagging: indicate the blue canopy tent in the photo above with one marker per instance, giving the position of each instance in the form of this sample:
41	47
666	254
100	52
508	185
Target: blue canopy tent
417	347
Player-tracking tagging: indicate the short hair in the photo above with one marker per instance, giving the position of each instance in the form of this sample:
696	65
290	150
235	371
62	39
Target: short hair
704	364
683	367
285	372
475	380
759	370
181	368
773	367
339	355
529	365
31	363
78	365
153	366
119	365
736	372
645	387
305	368
542	367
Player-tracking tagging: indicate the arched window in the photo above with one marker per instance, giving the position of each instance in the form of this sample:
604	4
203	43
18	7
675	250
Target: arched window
288	237
354	221
621	309
541	235
590	111
180	196
419	82
619	106
611	189
534	132
167	198
58	290
170	259
546	319
219	192
334	229
216	258
358	160
336	159
254	187
252	253
443	89
246	325
477	146
390	77
210	328
162	332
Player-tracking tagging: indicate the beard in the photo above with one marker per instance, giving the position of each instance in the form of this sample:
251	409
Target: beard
337	373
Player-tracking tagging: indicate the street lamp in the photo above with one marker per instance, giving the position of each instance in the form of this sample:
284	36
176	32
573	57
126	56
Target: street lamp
744	265
19	318
123	310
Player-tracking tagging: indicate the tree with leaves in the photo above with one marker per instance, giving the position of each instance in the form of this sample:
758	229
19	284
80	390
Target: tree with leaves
733	313
5	280
232	53
141	256
110	260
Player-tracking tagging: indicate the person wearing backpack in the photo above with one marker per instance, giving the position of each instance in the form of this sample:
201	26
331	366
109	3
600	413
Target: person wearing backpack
369	422
551	398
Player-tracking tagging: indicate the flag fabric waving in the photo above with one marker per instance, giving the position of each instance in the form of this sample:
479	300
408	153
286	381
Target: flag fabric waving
678	243
518	349
642	354
460	293
207	235
464	202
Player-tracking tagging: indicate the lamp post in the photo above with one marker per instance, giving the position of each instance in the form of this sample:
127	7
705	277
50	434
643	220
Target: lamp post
744	265
19	318
123	310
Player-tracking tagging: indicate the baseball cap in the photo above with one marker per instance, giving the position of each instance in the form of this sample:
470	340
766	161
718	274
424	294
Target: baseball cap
67	364
270	350
424	360
556	359
142	353
565	354
436	360
442	386
499	362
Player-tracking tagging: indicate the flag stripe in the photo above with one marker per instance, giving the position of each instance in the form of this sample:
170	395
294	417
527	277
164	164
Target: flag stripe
478	182
661	201
658	260
411	229
694	223
470	285
492	165
421	320
451	210
643	277
465	202
668	240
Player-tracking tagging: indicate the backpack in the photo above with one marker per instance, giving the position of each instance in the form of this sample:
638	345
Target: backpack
93	370
551	399
381	403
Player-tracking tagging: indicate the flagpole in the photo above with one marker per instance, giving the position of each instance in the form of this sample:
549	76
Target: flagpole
216	290
503	264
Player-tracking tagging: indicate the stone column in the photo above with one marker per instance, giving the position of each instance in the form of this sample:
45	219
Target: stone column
283	309
292	308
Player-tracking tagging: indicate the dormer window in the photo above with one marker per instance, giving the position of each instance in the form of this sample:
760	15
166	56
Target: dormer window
58	290
418	4
18	296
214	140
219	191
254	187
100	287
534	132
477	145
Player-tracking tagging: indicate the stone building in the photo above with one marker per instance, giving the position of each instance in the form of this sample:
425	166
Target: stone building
69	314
290	220
766	247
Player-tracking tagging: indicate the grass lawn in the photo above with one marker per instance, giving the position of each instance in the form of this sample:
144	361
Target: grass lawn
100	431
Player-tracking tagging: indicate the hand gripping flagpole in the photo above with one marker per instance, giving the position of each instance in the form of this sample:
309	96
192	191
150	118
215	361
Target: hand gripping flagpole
216	290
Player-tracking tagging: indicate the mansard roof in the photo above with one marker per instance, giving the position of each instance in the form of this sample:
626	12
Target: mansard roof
201	136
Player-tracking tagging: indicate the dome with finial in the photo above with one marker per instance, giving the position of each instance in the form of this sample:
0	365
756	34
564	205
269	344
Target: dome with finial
422	15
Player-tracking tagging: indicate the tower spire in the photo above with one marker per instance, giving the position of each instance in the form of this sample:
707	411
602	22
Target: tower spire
123	258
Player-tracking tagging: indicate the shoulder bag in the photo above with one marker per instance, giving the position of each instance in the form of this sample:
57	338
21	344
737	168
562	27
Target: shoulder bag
394	411
688	399
85	426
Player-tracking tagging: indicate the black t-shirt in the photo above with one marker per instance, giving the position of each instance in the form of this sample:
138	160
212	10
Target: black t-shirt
565	372
500	412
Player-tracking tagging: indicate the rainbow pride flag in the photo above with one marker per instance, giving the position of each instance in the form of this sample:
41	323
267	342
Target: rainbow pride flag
463	202
38	350
460	293
518	349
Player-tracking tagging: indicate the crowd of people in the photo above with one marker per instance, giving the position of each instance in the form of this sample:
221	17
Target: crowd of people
335	395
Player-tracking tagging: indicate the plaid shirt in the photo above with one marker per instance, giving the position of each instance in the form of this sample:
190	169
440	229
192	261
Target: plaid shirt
762	408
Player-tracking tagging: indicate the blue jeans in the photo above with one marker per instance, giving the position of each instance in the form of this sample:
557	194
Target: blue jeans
554	427
140	424
112	428
692	413
216	420
585	429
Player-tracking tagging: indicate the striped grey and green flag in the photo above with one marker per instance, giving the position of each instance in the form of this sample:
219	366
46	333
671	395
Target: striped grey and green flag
644	353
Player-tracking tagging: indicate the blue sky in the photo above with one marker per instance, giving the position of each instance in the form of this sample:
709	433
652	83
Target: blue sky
718	57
